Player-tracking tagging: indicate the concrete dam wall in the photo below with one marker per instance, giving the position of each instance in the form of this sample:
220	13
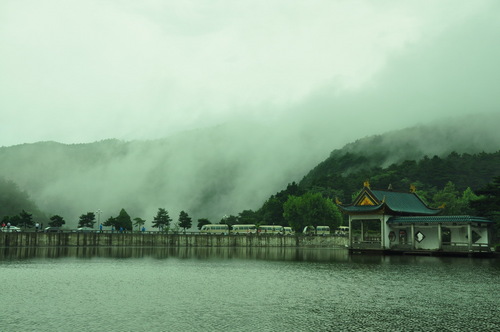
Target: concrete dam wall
12	240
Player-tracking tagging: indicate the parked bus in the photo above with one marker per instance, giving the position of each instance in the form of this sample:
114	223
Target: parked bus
215	229
323	230
342	230
309	230
244	229
270	229
288	231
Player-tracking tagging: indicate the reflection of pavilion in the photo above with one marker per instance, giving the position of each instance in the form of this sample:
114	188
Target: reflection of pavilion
400	222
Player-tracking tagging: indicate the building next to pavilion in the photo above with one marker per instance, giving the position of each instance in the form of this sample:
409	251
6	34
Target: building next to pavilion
390	221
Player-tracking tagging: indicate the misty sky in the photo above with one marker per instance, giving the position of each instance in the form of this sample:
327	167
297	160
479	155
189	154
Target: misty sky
85	70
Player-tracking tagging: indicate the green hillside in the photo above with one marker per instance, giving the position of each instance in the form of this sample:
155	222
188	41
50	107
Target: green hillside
222	170
343	173
16	203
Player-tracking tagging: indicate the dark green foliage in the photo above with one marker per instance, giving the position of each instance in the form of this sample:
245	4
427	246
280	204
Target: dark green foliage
271	213
14	220
454	202
449	180
139	223
87	220
202	222
162	219
311	210
110	222
26	219
123	221
229	220
56	221
248	217
184	220
13	200
488	203
344	173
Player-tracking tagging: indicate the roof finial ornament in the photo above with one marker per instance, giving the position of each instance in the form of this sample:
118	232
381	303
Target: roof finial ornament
390	187
337	201
366	184
413	188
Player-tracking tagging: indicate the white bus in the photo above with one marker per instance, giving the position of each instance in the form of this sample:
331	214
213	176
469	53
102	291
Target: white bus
323	230
215	229
288	231
244	229
270	229
309	230
342	230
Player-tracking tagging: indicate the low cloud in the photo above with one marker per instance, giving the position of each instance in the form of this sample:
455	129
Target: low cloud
80	71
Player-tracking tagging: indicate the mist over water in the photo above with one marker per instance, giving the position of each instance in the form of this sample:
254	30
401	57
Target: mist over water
235	289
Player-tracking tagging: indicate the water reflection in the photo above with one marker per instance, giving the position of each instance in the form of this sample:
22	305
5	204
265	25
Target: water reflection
271	254
244	289
225	253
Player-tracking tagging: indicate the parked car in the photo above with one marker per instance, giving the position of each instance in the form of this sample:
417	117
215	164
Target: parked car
85	230
11	229
52	229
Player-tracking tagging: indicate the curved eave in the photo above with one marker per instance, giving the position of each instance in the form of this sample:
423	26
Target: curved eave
420	212
439	220
365	209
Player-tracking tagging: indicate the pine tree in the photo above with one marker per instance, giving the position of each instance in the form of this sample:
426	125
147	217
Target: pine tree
161	220
184	221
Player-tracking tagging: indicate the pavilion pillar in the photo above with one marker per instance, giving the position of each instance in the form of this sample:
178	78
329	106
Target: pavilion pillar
440	237
412	233
350	233
469	236
382	234
362	231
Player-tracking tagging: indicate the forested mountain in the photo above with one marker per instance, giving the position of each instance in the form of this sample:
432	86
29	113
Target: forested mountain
337	177
448	182
222	170
13	201
208	173
446	163
464	151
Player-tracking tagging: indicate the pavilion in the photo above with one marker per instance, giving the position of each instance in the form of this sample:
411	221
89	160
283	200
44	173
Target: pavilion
389	221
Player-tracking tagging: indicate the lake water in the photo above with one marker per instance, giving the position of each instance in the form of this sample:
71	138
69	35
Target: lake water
239	289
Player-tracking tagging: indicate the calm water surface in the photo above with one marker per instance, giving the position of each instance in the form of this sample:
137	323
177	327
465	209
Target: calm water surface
228	289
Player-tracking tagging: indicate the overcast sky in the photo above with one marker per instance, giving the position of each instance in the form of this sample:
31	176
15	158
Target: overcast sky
84	70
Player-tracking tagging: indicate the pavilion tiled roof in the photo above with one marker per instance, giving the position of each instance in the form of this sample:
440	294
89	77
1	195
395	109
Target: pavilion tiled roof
388	202
438	220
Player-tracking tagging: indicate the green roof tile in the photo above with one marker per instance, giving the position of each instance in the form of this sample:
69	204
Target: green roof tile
395	202
437	219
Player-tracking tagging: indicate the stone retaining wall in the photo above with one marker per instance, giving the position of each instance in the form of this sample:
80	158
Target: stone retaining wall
12	240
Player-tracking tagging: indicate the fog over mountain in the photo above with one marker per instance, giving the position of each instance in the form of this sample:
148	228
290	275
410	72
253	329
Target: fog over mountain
205	173
215	106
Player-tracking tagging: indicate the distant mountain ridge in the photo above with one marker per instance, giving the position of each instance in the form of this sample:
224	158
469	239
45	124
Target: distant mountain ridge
464	151
471	134
215	171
